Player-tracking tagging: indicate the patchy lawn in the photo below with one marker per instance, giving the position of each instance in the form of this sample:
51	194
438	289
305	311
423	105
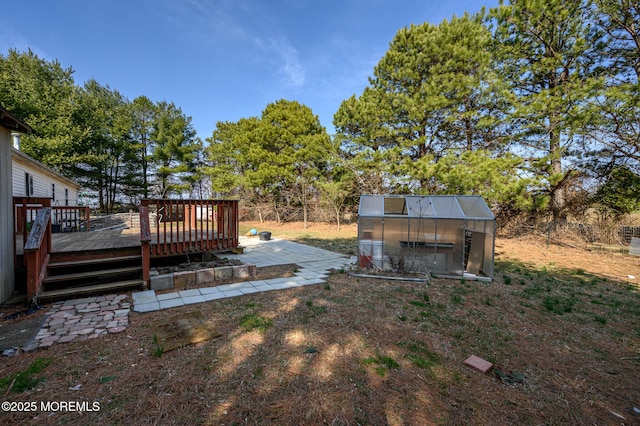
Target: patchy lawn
561	325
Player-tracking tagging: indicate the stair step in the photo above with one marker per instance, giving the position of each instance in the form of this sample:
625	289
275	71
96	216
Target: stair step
67	293
91	274
97	261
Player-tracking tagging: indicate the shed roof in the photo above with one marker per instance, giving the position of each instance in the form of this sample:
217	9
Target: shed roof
426	206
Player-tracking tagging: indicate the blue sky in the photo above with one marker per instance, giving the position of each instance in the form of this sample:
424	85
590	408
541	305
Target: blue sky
221	60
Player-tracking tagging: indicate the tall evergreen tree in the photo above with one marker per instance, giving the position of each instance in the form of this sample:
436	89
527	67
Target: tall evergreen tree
296	147
613	122
175	149
543	51
143	116
44	95
277	158
227	155
433	95
106	147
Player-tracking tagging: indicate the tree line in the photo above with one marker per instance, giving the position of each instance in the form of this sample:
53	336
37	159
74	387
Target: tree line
534	105
118	150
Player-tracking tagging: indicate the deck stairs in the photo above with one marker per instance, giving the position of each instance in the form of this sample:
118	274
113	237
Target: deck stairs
79	274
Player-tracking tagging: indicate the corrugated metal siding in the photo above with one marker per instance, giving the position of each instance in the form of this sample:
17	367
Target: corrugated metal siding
6	218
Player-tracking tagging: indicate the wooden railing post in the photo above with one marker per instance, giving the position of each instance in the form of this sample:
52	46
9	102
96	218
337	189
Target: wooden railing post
236	221
32	274
87	218
145	240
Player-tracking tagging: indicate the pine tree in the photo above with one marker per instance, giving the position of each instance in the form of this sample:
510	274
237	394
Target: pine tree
543	50
175	149
434	95
276	159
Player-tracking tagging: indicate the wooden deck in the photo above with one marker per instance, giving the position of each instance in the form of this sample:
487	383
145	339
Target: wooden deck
166	228
87	241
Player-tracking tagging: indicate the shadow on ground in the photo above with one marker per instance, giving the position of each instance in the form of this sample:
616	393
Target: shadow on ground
17	331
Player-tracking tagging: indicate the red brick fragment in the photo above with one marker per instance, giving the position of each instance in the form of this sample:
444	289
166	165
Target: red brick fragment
478	363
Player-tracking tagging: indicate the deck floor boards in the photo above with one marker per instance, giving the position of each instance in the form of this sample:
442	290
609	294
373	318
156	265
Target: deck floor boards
85	241
110	239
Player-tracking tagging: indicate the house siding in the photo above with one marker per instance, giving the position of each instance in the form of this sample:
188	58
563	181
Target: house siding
6	218
43	178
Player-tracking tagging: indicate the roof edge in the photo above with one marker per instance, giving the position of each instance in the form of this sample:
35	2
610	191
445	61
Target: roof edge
11	122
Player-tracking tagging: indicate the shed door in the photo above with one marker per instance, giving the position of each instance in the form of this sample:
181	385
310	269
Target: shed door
476	251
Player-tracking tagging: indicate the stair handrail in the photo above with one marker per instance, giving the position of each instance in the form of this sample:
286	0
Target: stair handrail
37	250
145	242
23	208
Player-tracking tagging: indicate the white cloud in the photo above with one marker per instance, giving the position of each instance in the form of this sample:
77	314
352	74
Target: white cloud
291	70
205	20
226	21
10	39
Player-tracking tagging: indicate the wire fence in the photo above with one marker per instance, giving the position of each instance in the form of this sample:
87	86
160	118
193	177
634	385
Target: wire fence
605	234
579	233
106	222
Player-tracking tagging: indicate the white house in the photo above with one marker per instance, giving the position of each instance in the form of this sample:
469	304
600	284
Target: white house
8	124
31	178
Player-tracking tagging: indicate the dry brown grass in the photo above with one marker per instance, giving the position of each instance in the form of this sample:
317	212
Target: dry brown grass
323	235
564	336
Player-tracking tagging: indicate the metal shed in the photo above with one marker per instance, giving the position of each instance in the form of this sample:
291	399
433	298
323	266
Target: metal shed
449	236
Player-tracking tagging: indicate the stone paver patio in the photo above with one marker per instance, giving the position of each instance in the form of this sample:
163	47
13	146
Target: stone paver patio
314	266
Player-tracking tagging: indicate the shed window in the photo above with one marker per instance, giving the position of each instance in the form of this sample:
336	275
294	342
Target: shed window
66	196
395	206
53	192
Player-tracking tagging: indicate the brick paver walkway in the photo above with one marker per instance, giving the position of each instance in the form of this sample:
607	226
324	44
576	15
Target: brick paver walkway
81	319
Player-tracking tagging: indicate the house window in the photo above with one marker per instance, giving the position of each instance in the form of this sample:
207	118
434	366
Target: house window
28	181
53	192
66	196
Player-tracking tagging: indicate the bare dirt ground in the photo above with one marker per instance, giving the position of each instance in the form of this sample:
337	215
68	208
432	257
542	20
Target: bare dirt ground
560	324
535	253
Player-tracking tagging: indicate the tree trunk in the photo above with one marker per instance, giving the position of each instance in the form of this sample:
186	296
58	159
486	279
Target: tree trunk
558	191
469	134
101	203
275	209
304	215
145	183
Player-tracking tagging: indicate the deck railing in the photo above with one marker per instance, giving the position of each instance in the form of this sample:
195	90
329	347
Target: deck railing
63	218
70	218
107	222
36	250
183	226
25	211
